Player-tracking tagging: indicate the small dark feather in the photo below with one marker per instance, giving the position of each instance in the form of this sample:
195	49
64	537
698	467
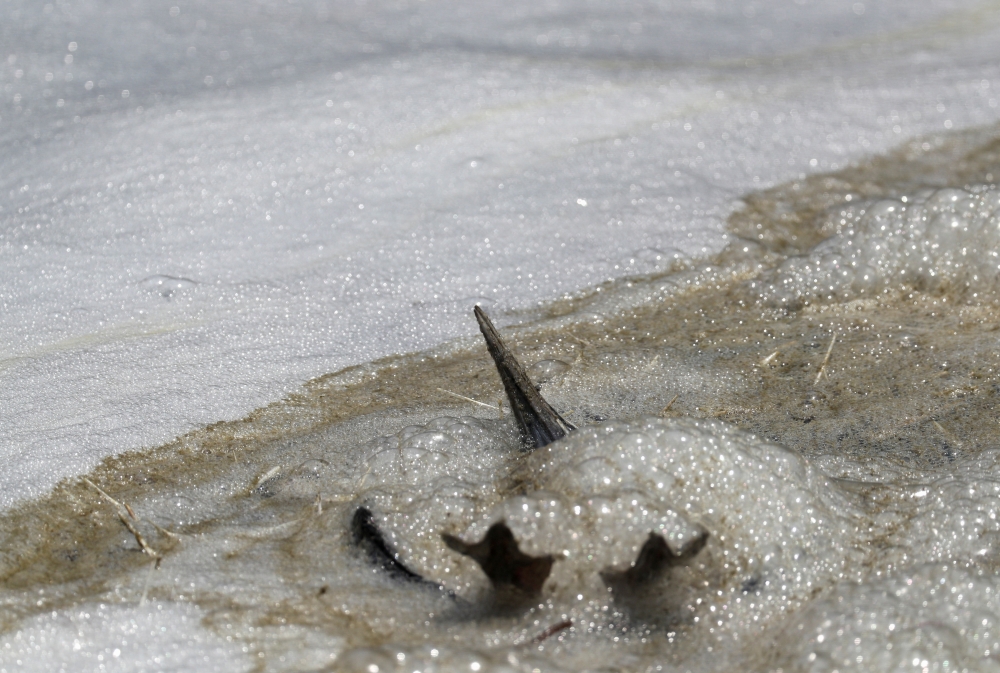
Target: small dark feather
539	423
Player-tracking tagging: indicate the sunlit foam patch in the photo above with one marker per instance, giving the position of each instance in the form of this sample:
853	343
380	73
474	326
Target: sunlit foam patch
940	241
782	534
927	618
158	636
778	530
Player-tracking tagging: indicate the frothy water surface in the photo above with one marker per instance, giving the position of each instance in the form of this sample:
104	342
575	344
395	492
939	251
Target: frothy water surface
820	399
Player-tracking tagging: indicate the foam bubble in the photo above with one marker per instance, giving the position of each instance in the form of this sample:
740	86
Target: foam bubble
929	618
120	638
940	240
546	370
782	532
779	529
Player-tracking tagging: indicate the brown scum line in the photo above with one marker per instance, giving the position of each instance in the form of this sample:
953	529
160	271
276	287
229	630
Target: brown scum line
214	450
70	542
72	538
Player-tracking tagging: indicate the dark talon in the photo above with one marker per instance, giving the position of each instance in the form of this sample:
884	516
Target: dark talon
504	563
654	559
367	536
539	423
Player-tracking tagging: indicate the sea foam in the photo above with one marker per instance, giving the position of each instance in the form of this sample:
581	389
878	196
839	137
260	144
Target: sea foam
945	240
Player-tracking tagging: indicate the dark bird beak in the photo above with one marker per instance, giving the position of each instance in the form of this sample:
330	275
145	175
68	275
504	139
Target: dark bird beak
539	423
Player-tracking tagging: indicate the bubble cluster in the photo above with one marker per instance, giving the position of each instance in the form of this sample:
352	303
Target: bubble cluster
929	618
779	530
882	572
103	637
934	241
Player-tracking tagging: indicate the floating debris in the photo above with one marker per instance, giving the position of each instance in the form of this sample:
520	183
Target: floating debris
552	630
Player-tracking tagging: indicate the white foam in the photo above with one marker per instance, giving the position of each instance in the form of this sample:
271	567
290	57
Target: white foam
121	638
933	601
925	618
945	240
199	248
782	532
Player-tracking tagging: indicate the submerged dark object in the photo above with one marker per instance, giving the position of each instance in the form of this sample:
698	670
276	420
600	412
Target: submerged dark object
539	423
655	558
504	563
368	537
514	575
